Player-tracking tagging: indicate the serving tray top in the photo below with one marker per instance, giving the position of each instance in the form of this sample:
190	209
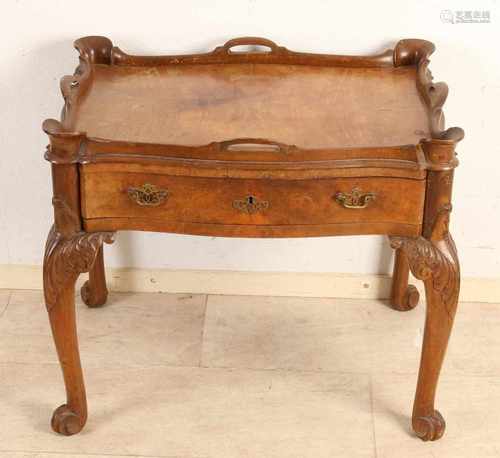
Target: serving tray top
306	106
218	104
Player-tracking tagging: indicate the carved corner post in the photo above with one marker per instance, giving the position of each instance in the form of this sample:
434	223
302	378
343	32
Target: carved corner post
68	252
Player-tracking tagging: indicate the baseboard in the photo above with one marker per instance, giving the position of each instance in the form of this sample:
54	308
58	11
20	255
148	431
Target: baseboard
249	283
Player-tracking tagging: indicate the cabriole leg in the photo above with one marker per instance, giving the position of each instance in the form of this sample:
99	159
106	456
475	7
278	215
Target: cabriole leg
441	308
436	263
65	258
94	292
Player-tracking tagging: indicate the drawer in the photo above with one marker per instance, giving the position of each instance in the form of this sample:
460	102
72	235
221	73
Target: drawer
256	202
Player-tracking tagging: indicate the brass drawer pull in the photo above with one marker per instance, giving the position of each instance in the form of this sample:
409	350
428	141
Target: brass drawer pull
355	199
147	195
250	204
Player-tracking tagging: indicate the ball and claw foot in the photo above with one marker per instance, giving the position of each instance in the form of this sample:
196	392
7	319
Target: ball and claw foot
410	300
65	421
430	427
90	298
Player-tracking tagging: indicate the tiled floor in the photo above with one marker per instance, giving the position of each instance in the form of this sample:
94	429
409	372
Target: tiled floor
183	376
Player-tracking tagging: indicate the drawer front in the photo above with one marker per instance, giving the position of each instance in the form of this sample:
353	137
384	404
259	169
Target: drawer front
228	201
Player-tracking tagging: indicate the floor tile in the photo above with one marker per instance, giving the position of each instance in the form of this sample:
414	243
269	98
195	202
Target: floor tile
193	412
132	329
467	403
365	336
286	333
475	341
397	340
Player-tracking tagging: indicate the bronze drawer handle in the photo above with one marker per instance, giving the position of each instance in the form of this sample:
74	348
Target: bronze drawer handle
355	199
147	195
250	204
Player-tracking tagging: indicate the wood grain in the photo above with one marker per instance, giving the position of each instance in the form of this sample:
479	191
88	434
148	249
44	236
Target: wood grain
210	200
293	105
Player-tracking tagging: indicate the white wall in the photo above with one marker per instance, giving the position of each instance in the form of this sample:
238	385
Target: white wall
36	50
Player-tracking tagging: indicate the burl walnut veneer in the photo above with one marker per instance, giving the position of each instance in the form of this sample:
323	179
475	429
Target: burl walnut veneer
261	143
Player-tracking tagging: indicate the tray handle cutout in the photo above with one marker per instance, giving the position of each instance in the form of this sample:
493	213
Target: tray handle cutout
254	144
250	45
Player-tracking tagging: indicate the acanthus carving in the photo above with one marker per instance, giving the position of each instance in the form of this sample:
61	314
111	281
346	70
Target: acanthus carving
435	260
67	257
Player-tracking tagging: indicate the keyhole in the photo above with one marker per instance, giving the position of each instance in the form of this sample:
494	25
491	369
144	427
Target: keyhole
250	199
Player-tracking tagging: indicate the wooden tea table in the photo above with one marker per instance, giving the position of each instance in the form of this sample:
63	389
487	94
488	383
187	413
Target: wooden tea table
261	143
